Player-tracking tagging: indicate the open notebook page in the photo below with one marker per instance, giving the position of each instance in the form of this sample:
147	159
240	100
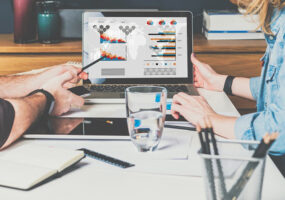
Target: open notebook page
41	156
21	176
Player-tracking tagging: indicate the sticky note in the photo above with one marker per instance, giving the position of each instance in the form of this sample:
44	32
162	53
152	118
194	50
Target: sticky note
168	106
137	123
157	98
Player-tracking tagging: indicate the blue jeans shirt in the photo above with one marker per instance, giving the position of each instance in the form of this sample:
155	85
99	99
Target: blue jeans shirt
269	91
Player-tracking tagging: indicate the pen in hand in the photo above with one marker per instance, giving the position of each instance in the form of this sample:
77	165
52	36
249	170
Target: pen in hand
91	64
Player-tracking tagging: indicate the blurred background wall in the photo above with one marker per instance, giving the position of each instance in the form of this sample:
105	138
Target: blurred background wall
196	6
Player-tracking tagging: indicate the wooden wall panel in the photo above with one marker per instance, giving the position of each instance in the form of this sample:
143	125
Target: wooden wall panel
15	63
245	65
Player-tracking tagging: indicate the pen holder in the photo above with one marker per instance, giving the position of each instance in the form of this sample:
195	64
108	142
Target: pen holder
232	176
48	21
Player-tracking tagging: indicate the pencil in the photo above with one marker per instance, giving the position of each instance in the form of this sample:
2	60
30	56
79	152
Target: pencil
210	129
223	190
201	139
209	162
91	64
208	149
109	122
260	148
264	145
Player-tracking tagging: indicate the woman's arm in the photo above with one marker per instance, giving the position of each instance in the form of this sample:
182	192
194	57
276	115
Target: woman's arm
206	77
195	109
241	88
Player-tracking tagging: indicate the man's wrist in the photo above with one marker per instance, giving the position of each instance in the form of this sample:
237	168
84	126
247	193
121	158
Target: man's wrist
49	100
41	99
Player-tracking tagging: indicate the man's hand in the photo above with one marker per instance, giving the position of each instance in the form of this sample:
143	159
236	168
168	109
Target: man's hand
55	71
64	99
18	86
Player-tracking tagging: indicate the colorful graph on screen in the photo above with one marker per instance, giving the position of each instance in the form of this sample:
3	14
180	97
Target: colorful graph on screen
104	38
162	43
111	57
113	41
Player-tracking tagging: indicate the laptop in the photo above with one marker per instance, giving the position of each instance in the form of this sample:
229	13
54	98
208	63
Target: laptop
139	48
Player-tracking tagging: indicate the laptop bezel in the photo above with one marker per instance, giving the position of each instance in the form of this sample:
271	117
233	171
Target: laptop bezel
187	14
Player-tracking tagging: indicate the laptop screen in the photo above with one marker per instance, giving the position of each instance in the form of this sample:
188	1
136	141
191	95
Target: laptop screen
136	47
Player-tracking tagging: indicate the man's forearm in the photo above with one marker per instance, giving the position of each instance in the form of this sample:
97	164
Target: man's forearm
18	86
241	87
27	110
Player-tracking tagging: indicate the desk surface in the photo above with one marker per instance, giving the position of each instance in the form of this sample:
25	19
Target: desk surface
89	182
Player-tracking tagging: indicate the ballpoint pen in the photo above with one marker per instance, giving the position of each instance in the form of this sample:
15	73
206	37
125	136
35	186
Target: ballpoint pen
91	64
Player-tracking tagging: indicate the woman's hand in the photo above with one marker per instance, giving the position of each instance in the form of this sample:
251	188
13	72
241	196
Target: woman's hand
193	108
206	77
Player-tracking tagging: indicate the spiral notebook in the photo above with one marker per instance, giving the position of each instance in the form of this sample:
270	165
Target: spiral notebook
25	166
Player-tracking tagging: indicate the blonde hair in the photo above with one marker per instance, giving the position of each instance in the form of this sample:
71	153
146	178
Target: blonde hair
264	9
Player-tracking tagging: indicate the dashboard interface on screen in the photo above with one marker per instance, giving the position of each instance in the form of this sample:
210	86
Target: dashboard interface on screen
136	47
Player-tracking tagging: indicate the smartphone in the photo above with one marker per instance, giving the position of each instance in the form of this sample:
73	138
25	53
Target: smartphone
80	91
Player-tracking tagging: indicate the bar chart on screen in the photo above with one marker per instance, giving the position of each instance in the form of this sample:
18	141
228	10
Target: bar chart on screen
162	40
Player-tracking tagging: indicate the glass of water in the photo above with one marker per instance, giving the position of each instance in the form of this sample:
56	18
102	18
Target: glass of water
146	110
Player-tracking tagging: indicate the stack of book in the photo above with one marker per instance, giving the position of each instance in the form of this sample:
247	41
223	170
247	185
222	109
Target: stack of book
230	25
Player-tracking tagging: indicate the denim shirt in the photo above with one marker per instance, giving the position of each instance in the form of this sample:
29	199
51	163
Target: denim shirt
269	91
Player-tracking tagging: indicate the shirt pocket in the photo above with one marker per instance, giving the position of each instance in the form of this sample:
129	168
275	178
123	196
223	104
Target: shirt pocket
272	81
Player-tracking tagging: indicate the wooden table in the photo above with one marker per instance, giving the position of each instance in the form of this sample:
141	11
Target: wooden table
235	57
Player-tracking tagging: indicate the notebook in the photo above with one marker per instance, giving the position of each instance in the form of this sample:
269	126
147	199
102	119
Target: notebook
25	166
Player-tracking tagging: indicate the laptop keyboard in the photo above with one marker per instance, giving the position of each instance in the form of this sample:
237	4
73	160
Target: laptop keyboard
121	88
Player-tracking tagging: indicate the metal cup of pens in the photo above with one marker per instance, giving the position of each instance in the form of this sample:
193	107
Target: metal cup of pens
146	111
234	173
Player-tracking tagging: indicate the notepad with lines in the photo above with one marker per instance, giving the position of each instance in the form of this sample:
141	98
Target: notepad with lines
25	166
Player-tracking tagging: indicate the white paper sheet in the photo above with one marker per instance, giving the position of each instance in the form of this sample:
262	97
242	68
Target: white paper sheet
174	145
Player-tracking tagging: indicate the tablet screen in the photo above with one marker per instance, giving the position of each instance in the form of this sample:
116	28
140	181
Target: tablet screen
80	127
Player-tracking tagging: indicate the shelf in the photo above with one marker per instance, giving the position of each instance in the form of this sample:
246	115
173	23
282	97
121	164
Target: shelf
201	45
7	46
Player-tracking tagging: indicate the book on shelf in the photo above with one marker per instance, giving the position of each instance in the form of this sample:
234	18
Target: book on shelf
229	20
24	166
233	35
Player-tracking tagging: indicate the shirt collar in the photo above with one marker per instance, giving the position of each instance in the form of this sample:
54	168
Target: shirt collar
275	25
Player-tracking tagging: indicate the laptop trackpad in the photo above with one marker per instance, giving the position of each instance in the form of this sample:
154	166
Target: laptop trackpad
107	95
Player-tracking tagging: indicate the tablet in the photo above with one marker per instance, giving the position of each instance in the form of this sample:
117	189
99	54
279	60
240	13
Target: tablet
80	128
